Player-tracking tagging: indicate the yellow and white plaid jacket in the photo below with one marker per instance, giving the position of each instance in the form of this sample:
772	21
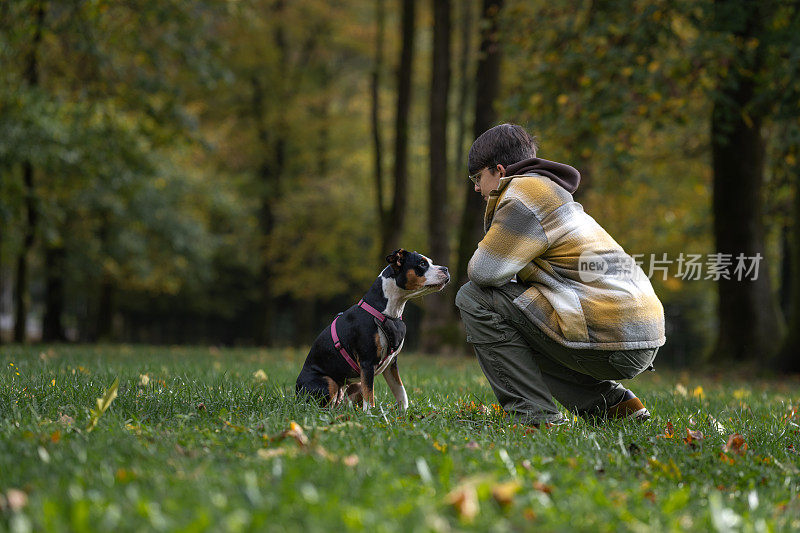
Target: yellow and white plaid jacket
538	233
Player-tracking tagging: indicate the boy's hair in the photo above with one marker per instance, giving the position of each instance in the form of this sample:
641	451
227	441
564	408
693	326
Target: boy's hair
505	144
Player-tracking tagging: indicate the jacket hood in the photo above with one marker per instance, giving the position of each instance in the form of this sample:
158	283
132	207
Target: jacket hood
564	175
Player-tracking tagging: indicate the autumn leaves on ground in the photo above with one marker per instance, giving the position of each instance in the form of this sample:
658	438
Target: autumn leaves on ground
206	439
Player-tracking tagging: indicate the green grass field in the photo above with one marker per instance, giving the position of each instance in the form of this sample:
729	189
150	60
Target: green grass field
202	439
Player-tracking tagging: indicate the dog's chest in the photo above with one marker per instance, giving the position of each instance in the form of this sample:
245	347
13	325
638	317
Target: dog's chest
390	336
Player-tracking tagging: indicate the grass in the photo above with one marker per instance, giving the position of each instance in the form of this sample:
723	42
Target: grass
199	439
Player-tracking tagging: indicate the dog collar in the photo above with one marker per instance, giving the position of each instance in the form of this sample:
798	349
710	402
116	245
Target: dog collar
371	310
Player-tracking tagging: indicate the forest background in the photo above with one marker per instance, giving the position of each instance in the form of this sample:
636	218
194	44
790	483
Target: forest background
234	172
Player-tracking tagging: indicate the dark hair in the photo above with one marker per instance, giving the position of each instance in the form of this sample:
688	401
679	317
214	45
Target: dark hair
505	144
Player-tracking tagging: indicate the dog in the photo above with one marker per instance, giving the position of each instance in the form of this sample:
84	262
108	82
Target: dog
364	341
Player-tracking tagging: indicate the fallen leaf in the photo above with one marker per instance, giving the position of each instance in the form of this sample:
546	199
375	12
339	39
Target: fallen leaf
350	460
542	487
724	458
269	453
719	428
102	404
669	431
464	499
472	445
650	495
201	406
296	432
16	499
260	375
66	420
503	493
144	380
735	444
692	436
680	389
698	392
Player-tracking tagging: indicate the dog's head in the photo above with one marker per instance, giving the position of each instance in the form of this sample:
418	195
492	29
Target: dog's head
414	273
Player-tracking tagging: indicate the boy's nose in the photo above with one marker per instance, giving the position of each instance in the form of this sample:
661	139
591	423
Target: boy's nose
477	188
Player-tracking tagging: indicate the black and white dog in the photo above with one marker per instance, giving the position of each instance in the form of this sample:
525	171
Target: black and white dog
364	341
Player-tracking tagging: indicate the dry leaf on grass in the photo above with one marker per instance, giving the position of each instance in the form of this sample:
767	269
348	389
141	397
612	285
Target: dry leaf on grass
719	428
269	453
669	431
735	444
464	499
503	493
693	436
15	499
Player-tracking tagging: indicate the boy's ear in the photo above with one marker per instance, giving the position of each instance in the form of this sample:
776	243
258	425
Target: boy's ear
395	259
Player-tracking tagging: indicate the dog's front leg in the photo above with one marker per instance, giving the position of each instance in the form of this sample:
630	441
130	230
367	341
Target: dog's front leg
392	376
367	385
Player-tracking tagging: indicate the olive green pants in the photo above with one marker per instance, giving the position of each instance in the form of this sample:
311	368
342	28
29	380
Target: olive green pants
527	369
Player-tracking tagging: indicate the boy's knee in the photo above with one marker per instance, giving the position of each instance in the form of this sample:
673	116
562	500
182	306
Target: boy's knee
469	296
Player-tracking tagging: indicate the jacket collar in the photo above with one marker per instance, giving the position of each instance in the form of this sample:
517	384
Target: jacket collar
494	197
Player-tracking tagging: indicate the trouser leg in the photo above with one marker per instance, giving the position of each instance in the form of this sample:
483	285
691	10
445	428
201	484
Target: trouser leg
507	361
488	312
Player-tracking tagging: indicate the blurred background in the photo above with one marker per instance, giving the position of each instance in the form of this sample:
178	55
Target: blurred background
235	172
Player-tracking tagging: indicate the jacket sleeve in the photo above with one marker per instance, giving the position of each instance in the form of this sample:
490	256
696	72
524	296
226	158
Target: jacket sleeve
514	239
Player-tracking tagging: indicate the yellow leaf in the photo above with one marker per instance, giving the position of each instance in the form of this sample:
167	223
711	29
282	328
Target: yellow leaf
260	375
504	493
102	404
698	392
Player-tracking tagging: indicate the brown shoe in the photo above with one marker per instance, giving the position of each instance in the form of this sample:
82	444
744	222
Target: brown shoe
629	407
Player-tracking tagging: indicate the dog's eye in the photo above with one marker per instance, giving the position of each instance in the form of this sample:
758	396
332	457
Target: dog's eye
423	264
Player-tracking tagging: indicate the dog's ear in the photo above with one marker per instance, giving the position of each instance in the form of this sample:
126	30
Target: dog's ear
395	259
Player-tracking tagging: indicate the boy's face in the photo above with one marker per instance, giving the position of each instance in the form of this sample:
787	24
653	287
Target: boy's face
488	180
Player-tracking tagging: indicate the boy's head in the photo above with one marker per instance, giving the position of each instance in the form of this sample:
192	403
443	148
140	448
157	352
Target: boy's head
505	145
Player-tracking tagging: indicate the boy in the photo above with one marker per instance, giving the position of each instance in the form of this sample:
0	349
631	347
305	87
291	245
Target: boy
554	306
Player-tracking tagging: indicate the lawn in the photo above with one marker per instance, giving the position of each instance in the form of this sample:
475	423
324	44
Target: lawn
212	439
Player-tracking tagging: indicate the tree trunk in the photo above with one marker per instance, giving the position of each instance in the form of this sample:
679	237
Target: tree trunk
790	353
486	92
438	309
393	226
749	326
375	124
52	328
464	85
105	311
21	298
274	142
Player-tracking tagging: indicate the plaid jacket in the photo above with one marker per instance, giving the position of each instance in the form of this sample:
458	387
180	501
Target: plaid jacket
584	290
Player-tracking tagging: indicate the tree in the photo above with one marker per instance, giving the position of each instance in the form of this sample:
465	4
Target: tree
486	93
439	310
393	225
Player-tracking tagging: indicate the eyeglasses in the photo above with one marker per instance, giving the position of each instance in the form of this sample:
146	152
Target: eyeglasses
476	178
